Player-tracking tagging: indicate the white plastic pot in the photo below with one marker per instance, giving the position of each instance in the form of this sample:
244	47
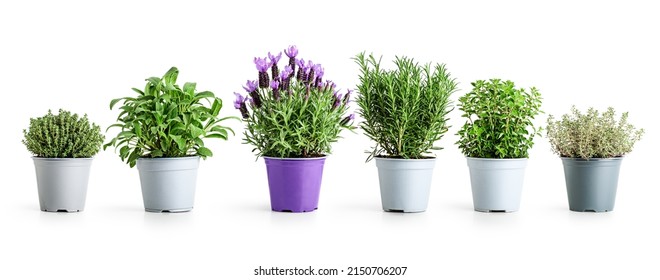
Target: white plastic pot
168	184
405	184
62	183
496	183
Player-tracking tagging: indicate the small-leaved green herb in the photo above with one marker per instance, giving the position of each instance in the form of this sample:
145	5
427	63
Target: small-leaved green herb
592	135
64	135
405	109
499	120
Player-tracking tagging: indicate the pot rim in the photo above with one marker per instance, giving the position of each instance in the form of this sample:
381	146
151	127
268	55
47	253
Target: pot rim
496	159
169	158
61	159
296	159
405	159
593	159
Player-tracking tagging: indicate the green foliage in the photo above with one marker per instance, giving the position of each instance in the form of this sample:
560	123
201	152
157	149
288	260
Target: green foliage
165	120
63	136
592	135
298	117
404	110
499	120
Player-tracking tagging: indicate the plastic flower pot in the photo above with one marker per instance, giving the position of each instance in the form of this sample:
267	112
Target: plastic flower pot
294	183
168	184
496	183
405	184
591	184
62	183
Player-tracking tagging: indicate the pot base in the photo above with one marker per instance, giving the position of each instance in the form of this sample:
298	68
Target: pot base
294	211
494	211
62	210
591	210
168	210
404	210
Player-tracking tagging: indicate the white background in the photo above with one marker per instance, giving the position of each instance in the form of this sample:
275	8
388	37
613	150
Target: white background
79	55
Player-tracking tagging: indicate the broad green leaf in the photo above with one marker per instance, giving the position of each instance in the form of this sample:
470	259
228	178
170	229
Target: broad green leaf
204	152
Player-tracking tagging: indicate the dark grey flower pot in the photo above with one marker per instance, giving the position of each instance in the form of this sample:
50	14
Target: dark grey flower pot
591	184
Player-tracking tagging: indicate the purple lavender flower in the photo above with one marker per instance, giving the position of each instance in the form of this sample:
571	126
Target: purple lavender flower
301	69
275	86
239	104
318	69
347	97
250	86
347	119
311	70
286	73
292	52
261	64
337	99
274	59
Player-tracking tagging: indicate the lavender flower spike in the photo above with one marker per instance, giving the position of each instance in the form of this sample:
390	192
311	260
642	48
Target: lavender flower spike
262	66
239	104
347	119
239	100
337	99
301	70
275	86
291	52
347	97
250	86
274	59
286	73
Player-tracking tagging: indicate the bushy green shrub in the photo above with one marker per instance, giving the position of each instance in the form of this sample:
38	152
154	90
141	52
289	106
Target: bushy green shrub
499	120
592	135
405	109
64	135
166	120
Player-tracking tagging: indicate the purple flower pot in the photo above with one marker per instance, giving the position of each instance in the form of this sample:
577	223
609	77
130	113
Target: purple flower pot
295	183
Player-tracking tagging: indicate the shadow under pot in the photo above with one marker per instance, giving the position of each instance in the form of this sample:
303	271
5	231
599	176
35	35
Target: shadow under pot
294	183
62	183
496	183
591	183
168	184
405	184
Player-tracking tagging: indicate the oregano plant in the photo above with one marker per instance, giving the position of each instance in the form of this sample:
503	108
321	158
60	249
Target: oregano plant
405	109
592	134
166	120
292	112
64	135
499	120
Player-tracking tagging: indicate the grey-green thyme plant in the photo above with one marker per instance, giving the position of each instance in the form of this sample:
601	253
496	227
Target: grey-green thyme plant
289	114
499	120
592	135
405	110
64	135
165	120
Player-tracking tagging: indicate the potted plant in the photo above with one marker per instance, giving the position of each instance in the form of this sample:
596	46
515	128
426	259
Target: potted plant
405	113
63	146
292	118
496	138
591	147
162	132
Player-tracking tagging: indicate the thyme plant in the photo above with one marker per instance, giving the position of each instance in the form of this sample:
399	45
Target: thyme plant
405	110
165	120
64	135
292	113
499	120
592	135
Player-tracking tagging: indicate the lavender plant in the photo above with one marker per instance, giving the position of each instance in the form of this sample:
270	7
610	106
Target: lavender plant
292	112
592	135
405	109
64	135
